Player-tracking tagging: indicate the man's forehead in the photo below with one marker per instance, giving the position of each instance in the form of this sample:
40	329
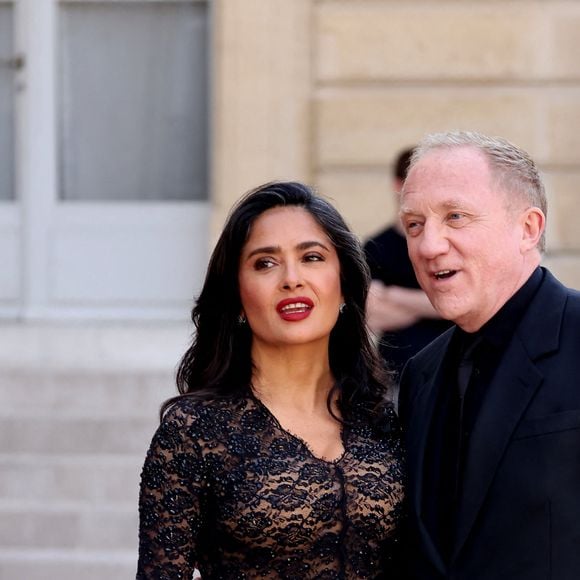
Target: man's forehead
457	168
452	160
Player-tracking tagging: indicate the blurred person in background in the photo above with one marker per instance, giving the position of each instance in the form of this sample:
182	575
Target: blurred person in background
281	458
398	311
490	409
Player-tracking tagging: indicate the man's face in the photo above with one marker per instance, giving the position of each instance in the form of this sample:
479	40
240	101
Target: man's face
466	247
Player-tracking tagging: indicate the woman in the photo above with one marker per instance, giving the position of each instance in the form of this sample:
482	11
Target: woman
281	456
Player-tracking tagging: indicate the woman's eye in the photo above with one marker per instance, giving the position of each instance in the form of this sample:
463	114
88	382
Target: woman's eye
313	258
264	263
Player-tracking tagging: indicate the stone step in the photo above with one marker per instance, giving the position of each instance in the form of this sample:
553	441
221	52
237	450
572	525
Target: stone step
69	435
78	478
78	407
68	526
23	564
93	346
74	393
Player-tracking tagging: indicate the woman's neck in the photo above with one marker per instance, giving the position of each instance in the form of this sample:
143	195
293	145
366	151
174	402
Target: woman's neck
297	376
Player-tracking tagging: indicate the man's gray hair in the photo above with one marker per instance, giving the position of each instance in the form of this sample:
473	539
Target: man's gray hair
513	169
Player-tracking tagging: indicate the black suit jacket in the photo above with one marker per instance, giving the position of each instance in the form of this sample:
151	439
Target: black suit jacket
519	517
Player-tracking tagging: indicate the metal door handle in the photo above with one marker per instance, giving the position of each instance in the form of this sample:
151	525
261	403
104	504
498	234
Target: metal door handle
16	62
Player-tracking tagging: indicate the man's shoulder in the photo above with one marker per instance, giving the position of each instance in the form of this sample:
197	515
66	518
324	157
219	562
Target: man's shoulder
573	296
572	308
554	290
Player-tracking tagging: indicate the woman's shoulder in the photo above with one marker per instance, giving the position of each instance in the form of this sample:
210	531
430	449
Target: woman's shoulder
379	423
199	423
190	409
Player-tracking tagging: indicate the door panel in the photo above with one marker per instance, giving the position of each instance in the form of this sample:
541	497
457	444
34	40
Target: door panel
10	258
7	67
10	227
113	146
133	101
128	258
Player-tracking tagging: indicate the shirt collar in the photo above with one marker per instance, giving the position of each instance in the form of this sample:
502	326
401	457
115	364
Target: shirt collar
500	328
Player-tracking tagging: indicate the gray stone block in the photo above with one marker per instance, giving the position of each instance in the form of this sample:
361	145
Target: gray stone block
69	526
70	478
48	435
66	565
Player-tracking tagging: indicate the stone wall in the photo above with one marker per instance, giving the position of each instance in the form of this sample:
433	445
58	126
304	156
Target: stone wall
328	91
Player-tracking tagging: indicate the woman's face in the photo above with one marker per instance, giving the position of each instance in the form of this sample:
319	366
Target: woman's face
289	278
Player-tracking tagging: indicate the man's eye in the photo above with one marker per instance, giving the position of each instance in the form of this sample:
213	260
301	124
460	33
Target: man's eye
456	216
412	226
264	263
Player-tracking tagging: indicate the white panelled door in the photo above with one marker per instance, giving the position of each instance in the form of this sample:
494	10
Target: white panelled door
10	222
107	210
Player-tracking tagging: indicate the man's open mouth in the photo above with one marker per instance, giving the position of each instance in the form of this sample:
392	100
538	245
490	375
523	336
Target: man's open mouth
443	274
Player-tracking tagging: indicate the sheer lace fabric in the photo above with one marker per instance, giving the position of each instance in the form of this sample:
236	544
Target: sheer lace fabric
225	489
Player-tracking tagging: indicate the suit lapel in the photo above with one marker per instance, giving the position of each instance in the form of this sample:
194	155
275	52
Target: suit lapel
420	422
514	384
508	396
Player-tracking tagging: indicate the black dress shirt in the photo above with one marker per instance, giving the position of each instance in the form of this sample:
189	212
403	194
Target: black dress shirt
455	417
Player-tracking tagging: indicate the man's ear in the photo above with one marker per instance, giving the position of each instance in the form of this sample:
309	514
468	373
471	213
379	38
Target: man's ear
533	223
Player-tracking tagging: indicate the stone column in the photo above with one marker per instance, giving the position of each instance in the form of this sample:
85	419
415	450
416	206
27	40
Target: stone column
261	87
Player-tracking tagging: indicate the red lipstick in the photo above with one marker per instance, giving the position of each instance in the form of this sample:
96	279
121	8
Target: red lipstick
295	308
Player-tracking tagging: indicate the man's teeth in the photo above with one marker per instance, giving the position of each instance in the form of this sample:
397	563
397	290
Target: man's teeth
295	307
444	274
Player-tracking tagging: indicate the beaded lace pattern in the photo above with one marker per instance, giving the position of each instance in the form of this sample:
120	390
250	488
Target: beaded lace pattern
226	489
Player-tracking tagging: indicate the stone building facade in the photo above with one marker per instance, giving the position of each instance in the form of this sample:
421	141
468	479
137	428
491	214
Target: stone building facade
327	91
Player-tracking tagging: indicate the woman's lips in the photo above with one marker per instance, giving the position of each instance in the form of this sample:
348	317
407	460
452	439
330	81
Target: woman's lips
295	309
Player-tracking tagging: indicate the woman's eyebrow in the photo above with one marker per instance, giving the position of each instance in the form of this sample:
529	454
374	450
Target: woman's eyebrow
264	250
277	249
311	244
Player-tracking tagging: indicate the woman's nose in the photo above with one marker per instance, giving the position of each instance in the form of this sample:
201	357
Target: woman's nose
292	277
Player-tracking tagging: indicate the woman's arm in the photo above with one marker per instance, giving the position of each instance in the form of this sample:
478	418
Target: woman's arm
169	502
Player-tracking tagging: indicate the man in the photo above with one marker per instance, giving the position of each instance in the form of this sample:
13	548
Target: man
397	309
490	409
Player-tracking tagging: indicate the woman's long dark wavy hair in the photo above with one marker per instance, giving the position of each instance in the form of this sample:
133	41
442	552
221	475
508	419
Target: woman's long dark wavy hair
218	362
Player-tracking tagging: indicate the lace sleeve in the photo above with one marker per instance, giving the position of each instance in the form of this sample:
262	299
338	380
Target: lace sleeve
172	483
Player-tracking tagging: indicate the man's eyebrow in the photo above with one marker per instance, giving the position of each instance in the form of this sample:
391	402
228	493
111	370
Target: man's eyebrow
277	249
407	211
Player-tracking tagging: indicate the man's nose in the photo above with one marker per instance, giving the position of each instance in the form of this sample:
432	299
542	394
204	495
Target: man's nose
433	241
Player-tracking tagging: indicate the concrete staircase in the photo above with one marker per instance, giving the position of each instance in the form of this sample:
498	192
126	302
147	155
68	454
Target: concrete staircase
78	407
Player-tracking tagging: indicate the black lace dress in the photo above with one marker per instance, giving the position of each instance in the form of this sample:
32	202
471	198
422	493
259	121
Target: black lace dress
227	490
